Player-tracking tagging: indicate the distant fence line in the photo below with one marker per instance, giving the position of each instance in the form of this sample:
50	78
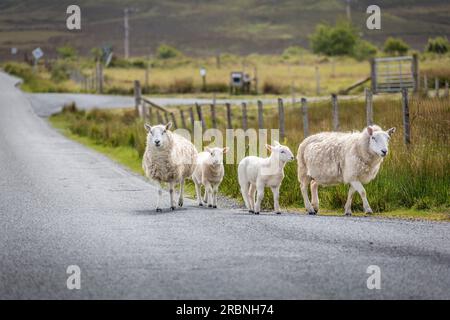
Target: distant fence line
152	112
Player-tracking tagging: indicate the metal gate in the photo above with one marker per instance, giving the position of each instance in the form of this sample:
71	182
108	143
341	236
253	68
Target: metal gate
394	73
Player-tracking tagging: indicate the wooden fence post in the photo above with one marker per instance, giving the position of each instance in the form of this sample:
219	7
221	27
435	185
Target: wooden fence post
213	115
99	74
281	118
158	116
260	115
166	117
183	120
200	114
137	97
191	115
373	74
436	86
305	117
335	109
415	72
244	116
406	122
425	85
229	117
317	81
369	106
446	89
174	120
150	114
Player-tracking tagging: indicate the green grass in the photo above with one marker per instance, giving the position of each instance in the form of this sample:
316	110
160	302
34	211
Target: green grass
413	182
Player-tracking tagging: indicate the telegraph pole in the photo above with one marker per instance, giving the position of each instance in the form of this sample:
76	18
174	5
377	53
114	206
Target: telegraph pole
126	43
348	9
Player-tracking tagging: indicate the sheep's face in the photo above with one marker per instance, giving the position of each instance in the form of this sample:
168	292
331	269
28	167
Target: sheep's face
379	141
157	136
216	155
282	152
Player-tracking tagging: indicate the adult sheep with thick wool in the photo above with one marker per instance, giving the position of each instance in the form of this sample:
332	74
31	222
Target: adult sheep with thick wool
168	158
331	158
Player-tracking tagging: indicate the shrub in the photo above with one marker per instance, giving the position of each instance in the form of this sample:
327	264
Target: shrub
334	41
293	51
185	85
67	52
364	50
395	46
165	51
271	88
216	87
438	45
60	71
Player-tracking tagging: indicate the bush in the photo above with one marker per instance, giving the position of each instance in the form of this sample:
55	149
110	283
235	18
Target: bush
293	51
395	46
272	88
438	45
60	71
364	50
185	85
216	87
334	41
67	52
165	51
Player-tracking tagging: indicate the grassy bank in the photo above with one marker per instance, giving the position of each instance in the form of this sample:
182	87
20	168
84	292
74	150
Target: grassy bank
413	181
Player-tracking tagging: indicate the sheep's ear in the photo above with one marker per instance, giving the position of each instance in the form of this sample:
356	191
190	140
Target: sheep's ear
225	150
147	127
276	143
391	131
269	147
168	125
370	130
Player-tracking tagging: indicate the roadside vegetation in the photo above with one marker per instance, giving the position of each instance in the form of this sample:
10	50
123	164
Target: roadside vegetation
412	183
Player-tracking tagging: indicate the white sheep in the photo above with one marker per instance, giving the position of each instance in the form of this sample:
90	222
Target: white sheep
331	158
209	172
168	158
255	173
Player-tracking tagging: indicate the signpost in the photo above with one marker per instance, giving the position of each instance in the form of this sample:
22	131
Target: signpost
37	54
203	75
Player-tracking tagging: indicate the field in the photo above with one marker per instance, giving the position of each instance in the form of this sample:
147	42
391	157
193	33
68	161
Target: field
413	178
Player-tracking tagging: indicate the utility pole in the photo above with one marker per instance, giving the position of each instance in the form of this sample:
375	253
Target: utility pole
348	9
126	43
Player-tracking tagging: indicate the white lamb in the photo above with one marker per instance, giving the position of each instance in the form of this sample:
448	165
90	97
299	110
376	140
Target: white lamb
209	172
255	173
330	158
168	158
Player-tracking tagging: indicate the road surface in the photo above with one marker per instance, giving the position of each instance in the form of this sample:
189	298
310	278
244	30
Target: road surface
62	204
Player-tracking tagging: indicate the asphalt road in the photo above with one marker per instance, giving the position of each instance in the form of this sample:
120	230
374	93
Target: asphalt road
62	204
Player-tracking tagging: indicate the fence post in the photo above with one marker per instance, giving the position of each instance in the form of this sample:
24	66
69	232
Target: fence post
425	84
436	86
158	116
137	97
174	120
406	123
191	115
260	115
99	74
281	117
446	89
150	114
373	74
213	115
415	72
229	120
305	117
317	81
369	106
166	117
183	120
200	114
255	71
244	116
335	109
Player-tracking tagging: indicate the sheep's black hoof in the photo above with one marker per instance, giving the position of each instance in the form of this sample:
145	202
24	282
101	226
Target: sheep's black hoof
172	208
312	213
256	212
251	211
278	212
180	203
158	210
200	204
214	207
209	205
348	214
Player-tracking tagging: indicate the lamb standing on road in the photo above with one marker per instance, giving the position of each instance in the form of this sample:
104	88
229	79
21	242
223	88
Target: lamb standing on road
255	173
168	158
330	158
209	172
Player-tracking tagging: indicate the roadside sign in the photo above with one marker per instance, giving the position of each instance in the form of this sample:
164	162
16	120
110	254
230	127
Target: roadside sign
37	53
13	50
108	59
